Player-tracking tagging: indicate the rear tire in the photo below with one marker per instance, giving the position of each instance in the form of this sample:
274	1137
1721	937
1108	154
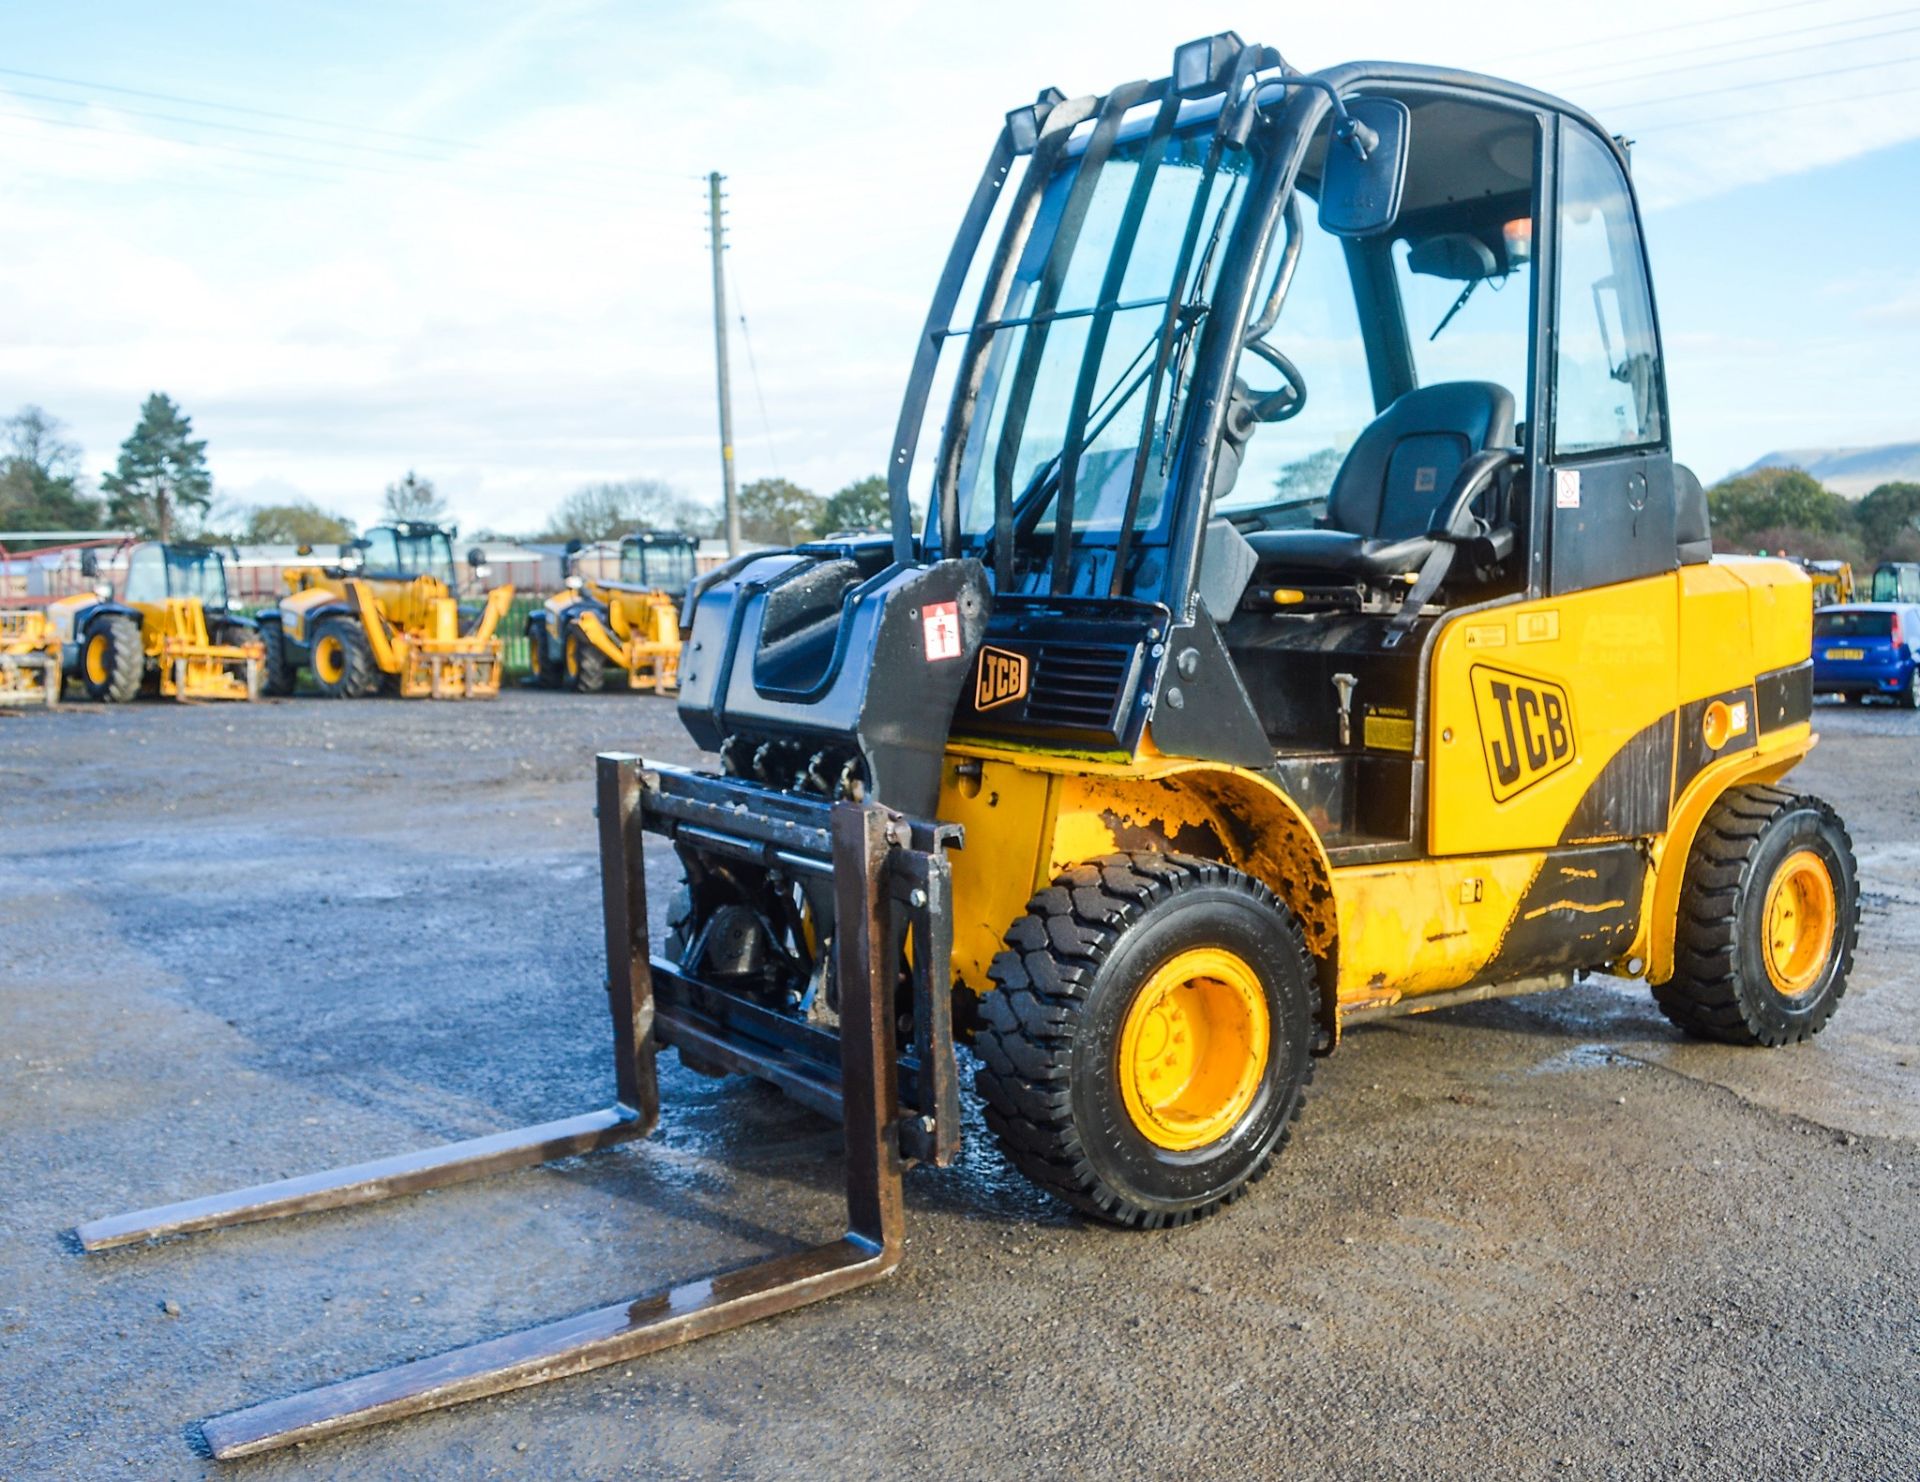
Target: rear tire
279	676
1908	697
544	673
342	660
112	662
1769	915
586	665
1096	984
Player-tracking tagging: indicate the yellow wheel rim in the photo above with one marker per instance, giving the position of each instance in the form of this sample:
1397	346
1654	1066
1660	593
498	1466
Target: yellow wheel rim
97	658
1193	1049
329	660
1800	918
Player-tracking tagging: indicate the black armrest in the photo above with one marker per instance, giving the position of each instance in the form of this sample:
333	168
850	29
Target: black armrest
1450	519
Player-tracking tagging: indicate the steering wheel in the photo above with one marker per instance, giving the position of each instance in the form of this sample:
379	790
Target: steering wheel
1290	399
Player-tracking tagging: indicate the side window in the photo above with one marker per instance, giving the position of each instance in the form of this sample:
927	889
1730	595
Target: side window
147	575
381	554
1606	378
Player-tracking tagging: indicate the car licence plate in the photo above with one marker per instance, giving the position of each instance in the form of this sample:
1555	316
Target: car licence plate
1846	653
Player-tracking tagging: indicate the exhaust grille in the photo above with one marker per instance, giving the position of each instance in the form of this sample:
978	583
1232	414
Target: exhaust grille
1079	685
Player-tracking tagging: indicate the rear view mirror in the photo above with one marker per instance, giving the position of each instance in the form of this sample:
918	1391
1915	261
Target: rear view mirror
476	558
1366	168
89	563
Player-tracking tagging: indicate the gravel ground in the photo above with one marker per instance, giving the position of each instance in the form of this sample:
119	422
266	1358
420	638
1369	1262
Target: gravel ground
1539	1238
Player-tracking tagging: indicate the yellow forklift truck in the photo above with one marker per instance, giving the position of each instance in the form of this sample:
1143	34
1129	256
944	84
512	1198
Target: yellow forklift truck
631	624
1311	624
171	626
384	615
29	658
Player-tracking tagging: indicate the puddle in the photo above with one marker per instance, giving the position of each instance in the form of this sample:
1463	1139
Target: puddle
1584	1057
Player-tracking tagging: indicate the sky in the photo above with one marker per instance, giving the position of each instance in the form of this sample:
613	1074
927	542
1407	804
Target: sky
470	238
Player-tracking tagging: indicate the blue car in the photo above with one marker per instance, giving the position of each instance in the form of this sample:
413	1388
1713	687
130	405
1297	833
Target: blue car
1866	648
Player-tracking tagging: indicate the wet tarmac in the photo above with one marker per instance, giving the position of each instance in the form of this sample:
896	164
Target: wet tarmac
1540	1238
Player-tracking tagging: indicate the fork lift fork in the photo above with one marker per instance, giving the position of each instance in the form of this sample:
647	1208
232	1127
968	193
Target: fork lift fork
890	881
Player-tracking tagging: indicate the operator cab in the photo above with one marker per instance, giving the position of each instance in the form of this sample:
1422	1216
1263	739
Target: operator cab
157	571
657	560
406	550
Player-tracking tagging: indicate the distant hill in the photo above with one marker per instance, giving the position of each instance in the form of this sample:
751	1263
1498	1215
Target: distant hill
1849	471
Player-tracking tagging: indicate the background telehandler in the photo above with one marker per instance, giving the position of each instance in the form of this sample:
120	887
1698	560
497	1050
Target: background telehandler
385	615
171	624
1145	785
631	624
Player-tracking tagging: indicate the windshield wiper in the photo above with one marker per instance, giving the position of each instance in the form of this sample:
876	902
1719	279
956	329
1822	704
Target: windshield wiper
1458	304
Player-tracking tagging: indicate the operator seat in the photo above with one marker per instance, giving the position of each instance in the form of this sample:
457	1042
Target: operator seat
1392	483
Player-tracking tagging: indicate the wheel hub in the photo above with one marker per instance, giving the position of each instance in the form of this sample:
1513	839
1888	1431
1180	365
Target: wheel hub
1799	922
1193	1049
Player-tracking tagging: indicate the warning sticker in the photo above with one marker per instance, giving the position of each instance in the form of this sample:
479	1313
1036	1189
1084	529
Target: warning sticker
940	621
1566	488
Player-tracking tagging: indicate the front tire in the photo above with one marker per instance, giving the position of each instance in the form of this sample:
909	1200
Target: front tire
342	660
280	674
544	672
1147	1047
112	662
586	665
1769	916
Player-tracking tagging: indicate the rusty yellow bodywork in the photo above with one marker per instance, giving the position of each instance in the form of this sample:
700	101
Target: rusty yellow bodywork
412	628
1653	680
641	634
29	659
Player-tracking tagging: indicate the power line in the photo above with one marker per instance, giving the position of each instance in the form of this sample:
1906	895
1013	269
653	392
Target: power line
202	123
753	374
369	129
1742	87
1632	69
1762	56
1738	15
1689	123
300	159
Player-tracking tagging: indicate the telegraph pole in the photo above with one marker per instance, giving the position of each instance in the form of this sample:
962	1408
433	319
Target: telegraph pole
718	233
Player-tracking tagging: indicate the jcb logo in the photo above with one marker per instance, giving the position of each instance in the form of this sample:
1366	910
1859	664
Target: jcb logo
1002	678
1526	727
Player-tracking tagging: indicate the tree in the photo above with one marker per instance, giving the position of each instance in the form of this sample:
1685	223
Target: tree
608	511
1775	499
40	476
779	512
1885	514
862	505
299	522
162	472
414	498
1310	477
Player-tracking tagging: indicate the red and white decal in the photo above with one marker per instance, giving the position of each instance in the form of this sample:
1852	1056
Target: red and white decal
940	621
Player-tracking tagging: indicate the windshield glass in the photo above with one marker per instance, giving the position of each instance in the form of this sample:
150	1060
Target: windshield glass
197	573
1845	624
668	566
395	552
1043	338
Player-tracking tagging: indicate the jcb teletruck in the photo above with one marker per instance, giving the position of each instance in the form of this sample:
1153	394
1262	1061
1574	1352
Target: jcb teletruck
632	624
385	616
1311	624
172	625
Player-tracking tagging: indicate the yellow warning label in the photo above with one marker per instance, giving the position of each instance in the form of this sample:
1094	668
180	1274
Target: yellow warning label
1539	627
1388	732
1487	635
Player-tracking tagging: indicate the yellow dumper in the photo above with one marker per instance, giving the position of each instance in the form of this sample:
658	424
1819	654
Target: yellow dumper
632	623
171	626
29	659
384	615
